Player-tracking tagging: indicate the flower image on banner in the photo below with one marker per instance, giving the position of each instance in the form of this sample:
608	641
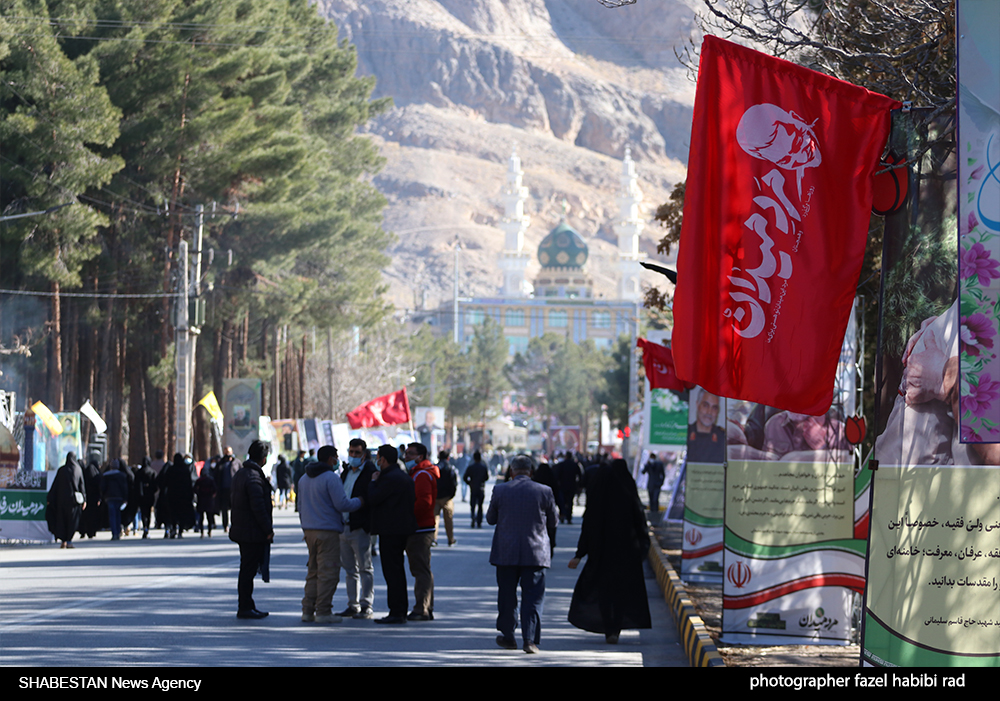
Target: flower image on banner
979	222
779	196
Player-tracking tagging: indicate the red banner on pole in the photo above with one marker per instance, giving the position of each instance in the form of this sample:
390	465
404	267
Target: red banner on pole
778	200
382	411
659	364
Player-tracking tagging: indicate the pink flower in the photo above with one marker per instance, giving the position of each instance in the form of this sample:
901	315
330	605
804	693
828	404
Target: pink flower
981	397
969	435
976	334
970	224
977	173
976	261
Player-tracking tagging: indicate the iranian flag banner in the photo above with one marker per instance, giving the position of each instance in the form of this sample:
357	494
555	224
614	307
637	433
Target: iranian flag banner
779	196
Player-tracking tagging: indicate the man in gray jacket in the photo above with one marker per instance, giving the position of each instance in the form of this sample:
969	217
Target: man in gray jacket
524	513
322	503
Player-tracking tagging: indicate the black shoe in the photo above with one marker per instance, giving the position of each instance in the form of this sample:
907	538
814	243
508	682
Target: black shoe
506	643
348	612
531	648
253	614
414	616
391	620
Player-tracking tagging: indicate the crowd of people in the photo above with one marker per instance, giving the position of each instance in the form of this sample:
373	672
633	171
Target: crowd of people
396	498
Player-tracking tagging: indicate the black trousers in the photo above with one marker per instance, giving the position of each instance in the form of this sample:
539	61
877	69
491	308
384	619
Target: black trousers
476	498
392	554
251	557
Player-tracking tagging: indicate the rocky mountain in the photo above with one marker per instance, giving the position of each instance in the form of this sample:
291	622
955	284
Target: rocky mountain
571	83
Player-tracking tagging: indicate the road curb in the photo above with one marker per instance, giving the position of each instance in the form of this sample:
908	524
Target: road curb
698	644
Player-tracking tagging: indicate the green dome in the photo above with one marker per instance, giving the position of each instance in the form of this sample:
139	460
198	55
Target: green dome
563	248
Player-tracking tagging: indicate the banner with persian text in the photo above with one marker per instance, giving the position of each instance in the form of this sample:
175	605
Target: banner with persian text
704	489
934	543
796	515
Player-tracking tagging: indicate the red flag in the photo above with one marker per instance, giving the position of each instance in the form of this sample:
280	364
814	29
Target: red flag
779	195
382	411
659	363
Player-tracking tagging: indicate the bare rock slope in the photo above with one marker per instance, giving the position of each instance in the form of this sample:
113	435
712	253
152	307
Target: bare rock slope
570	82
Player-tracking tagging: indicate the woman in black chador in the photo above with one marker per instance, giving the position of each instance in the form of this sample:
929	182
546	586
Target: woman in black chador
610	594
66	501
180	496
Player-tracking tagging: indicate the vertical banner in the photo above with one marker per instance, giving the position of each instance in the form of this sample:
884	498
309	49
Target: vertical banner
665	411
429	423
241	406
795	508
979	218
704	490
779	196
934	545
56	447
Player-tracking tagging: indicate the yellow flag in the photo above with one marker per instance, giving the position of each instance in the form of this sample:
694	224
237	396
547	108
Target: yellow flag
47	417
212	404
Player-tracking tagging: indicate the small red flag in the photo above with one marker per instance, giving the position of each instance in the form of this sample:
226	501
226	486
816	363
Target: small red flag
659	363
382	411
778	200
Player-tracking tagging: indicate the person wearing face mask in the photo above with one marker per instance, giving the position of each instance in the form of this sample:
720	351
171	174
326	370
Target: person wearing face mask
391	497
356	541
425	475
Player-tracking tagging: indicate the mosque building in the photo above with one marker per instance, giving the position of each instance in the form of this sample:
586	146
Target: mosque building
561	298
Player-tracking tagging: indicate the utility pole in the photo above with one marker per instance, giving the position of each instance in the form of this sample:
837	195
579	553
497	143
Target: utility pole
182	345
186	335
458	248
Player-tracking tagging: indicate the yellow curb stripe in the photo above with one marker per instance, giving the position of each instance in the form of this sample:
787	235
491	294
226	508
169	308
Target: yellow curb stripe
698	644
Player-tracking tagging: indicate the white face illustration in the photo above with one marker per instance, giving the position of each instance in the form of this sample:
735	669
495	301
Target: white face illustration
770	133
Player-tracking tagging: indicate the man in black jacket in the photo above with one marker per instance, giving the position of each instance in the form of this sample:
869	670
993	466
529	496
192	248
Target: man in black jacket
356	540
252	526
476	476
391	497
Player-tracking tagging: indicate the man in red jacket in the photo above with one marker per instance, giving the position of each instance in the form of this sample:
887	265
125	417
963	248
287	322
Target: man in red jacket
418	546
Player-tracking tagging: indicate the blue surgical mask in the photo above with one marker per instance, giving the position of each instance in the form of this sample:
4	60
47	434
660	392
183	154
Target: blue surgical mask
355	462
410	464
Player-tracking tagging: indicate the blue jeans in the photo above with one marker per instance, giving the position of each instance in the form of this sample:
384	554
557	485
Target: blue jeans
115	517
532	581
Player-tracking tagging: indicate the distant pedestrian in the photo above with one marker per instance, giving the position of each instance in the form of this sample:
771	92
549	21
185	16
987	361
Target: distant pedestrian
610	594
90	519
391	497
144	493
476	476
444	506
322	504
524	513
114	493
418	546
206	495
225	470
66	501
356	540
283	481
252	527
656	474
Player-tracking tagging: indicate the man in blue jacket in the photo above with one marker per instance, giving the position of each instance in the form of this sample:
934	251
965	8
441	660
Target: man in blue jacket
322	503
524	513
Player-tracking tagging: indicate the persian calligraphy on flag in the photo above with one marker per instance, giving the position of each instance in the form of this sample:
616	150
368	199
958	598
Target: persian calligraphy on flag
778	201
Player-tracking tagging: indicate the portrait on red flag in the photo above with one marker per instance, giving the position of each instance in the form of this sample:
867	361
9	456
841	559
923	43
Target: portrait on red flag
776	214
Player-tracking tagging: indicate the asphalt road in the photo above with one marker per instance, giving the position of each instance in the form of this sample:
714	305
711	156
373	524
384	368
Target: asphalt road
172	603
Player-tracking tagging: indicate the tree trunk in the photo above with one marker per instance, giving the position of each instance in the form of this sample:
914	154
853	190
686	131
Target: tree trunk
55	389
